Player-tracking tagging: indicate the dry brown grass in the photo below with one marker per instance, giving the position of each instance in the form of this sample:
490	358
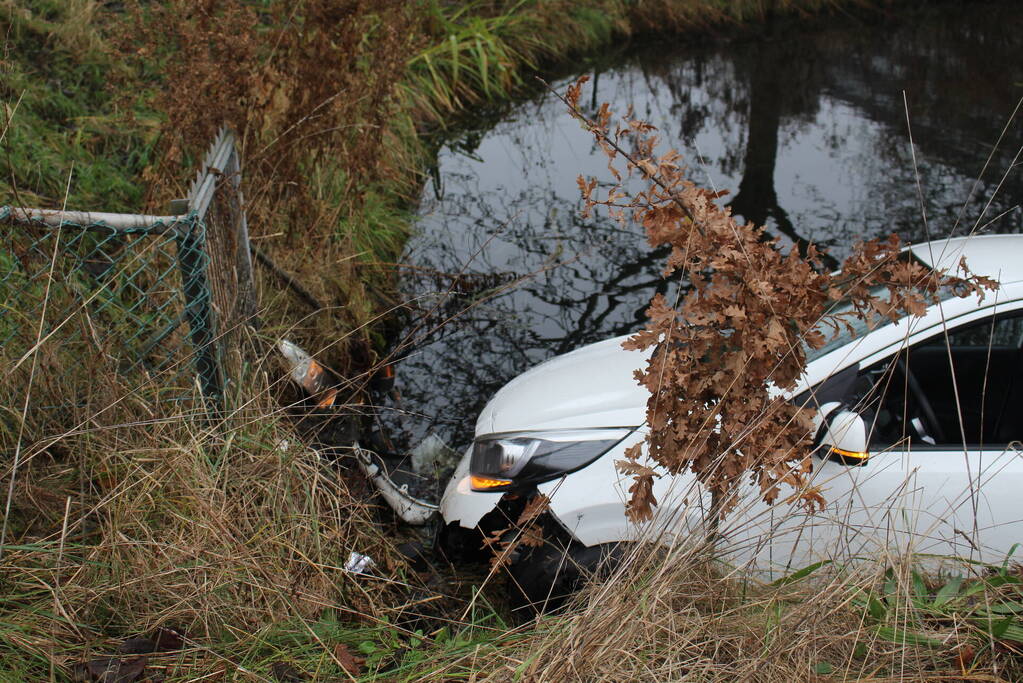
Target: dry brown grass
673	616
131	513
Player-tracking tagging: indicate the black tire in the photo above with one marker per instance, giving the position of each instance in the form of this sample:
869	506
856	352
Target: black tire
543	578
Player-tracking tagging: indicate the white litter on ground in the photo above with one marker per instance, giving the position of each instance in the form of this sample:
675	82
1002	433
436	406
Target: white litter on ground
358	563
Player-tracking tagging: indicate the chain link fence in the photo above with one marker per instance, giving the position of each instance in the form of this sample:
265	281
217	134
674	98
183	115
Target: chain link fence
160	296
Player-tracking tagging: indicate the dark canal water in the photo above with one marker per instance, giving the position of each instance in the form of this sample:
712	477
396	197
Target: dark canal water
805	126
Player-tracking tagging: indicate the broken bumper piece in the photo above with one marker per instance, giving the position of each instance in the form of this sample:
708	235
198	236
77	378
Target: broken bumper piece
412	510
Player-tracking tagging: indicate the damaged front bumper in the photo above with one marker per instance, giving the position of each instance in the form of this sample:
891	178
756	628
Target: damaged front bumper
463	505
459	503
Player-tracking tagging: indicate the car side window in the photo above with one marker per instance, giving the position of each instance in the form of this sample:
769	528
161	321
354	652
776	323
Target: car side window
1003	331
963	387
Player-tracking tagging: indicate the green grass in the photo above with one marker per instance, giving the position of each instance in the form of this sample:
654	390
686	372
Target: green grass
67	125
471	58
985	609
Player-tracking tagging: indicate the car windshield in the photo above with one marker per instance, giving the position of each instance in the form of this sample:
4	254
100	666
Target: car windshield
851	327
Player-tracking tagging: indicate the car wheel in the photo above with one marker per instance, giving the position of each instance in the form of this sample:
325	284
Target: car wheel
544	577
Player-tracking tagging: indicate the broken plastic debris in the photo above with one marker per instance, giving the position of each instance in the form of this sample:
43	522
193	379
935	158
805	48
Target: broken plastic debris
413	510
432	453
358	563
383	379
309	374
328	399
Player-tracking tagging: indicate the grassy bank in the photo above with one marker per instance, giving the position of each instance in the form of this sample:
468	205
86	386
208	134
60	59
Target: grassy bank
128	516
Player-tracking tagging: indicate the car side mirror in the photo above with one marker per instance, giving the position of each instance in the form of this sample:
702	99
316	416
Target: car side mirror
844	437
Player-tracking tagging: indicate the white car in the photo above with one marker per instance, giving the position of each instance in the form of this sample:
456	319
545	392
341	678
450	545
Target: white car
935	402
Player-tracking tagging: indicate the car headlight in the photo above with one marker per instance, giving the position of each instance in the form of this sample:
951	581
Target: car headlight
504	461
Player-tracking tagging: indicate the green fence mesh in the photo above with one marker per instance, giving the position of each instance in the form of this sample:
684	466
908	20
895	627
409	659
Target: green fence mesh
137	296
143	295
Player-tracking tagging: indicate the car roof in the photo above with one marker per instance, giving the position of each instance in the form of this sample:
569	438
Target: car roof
996	256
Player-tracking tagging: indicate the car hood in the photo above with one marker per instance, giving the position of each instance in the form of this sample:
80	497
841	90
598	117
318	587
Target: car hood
592	386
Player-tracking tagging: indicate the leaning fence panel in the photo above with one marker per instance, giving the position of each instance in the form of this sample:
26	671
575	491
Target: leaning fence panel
71	292
159	298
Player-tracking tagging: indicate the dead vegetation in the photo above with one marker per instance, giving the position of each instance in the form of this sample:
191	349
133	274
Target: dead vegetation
749	314
128	514
669	616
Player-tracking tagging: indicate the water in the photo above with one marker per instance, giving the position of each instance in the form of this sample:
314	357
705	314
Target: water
806	127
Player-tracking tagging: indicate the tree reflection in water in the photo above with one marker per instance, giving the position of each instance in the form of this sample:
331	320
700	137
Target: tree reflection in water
805	127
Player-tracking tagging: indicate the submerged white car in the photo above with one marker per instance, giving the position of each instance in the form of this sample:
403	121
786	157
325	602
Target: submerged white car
921	422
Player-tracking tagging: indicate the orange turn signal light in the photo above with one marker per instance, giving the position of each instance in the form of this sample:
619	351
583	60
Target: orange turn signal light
486	483
850	455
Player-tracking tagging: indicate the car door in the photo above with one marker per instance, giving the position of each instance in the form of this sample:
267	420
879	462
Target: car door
945	472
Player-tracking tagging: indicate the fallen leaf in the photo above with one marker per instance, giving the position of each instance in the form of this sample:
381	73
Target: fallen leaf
286	673
532	536
80	672
167	639
137	646
109	670
965	656
536	506
348	661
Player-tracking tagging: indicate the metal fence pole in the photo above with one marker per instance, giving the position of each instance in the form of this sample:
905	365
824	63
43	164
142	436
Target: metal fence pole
215	198
198	309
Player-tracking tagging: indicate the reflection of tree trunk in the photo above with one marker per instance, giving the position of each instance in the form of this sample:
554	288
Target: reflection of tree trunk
756	200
